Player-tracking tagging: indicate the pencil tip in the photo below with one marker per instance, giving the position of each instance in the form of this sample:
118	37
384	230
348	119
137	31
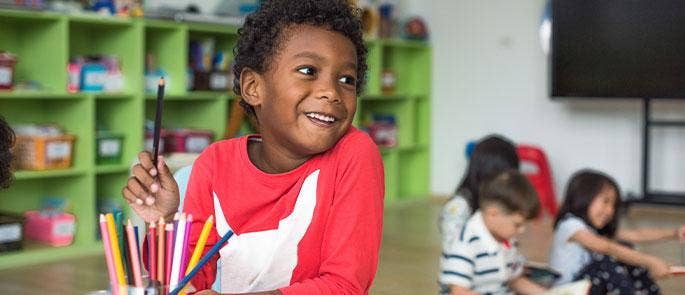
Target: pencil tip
161	81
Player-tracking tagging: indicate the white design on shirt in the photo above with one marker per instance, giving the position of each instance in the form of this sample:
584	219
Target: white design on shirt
262	261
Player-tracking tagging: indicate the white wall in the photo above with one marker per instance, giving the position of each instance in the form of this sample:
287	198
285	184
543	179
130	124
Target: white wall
489	75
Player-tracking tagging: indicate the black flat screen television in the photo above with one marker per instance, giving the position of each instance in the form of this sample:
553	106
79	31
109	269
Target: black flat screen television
618	48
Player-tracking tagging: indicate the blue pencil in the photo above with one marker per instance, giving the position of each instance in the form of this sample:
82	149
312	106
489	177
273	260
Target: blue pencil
202	262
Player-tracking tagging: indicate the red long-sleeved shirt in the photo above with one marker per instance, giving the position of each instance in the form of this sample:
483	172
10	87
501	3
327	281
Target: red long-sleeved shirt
313	230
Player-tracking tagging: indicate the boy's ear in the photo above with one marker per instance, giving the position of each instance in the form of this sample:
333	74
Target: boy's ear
490	211
250	86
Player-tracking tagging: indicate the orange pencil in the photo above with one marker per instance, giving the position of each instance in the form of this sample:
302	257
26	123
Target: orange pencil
152	251
160	251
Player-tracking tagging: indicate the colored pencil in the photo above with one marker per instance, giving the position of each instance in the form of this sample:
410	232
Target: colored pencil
178	248
133	251
201	242
161	237
202	262
113	280
169	252
121	236
184	252
158	120
152	251
116	254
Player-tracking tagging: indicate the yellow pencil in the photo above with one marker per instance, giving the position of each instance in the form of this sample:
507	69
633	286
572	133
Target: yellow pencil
202	240
115	250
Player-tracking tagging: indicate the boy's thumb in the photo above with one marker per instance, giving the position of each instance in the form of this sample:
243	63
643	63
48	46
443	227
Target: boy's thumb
166	179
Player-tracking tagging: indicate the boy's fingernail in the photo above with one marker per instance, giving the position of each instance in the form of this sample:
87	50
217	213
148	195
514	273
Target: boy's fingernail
139	202
153	171
149	201
154	187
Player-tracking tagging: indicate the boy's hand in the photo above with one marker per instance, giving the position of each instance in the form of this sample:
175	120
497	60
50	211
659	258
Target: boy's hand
151	192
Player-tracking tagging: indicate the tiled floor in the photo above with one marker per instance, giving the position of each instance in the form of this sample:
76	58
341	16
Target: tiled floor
408	263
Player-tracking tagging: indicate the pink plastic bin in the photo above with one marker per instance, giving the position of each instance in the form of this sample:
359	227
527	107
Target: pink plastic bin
57	230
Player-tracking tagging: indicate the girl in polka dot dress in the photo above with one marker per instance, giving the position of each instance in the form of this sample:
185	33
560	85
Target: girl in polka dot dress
588	244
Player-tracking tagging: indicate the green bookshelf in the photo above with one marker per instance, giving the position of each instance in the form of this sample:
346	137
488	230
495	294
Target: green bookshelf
44	43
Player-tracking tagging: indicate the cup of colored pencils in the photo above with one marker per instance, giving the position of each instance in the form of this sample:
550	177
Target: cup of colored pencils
167	263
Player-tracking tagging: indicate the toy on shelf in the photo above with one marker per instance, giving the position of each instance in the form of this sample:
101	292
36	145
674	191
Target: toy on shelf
97	73
42	147
7	63
370	20
388	81
383	130
153	73
387	20
415	28
208	69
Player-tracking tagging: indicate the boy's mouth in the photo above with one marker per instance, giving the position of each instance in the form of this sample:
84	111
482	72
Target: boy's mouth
321	118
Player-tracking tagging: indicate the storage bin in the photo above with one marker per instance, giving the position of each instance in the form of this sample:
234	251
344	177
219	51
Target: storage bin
55	230
109	147
11	236
188	140
44	152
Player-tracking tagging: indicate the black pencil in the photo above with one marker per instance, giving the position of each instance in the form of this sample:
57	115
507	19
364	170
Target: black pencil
158	120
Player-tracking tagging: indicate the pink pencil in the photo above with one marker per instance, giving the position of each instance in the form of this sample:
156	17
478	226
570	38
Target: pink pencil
104	233
169	251
184	254
135	259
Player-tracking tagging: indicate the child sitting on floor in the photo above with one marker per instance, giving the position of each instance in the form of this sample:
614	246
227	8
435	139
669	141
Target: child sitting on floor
484	258
584	245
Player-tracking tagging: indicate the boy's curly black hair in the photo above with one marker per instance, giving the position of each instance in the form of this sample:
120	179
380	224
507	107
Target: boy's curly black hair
6	142
259	38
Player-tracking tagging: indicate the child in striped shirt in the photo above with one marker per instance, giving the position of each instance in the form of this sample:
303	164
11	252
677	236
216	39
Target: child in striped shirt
484	259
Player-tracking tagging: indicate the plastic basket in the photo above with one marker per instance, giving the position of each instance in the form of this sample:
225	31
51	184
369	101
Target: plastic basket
44	152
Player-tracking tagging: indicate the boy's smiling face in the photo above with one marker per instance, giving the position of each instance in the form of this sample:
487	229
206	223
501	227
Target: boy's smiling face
306	99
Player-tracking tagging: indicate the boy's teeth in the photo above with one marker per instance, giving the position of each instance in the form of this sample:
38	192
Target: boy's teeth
321	117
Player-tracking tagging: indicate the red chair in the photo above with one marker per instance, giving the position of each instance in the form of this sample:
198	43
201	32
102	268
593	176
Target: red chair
535	166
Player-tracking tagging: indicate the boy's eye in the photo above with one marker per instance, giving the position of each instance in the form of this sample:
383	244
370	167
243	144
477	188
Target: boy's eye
307	70
347	80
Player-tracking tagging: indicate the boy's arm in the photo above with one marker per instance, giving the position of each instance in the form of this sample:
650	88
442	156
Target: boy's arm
352	238
522	285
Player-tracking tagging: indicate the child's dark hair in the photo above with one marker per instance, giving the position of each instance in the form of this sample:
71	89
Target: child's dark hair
581	190
6	142
492	155
511	191
262	34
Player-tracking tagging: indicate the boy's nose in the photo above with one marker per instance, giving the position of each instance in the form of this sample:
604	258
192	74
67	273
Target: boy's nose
328	90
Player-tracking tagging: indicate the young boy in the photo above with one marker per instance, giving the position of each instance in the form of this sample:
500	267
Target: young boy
6	142
484	259
305	196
